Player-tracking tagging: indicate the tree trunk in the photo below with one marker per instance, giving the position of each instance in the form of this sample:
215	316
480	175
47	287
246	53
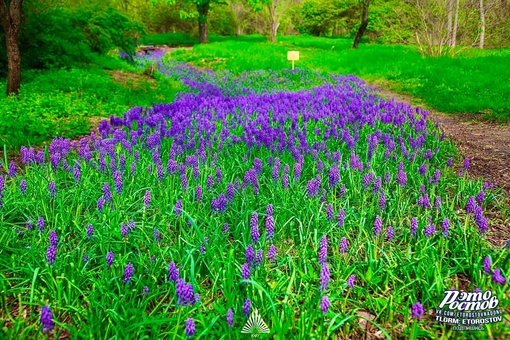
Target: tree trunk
273	24
450	23
365	4
10	20
482	25
455	25
203	10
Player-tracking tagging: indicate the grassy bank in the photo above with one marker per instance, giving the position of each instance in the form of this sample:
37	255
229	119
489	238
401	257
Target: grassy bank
474	81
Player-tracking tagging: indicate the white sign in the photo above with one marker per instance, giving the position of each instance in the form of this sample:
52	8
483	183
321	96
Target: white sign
293	55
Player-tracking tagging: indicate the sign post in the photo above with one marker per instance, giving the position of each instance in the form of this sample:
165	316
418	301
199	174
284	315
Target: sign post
293	55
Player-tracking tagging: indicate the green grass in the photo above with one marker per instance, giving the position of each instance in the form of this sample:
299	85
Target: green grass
473	81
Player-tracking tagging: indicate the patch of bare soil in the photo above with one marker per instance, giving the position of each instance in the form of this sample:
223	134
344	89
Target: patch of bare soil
486	144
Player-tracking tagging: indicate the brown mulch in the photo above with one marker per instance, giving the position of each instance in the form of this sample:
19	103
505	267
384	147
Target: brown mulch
486	144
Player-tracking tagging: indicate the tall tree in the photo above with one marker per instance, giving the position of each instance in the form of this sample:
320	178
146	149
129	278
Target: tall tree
482	25
203	11
10	19
365	6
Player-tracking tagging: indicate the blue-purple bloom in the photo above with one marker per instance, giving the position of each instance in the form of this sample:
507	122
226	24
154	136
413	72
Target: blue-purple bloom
269	227
351	280
497	277
390	233
173	272
414	226
190	327
341	217
487	265
46	319
417	311
445	226
250	254
40	223
343	245
128	272
377	226
22	187
147	199
53	238
51	254
255	235
324	277
271	253
245	271
52	189
247	307
323	249
178	208
324	304
230	318
109	259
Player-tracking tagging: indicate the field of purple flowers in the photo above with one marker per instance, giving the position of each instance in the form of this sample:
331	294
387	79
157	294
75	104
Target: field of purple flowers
302	195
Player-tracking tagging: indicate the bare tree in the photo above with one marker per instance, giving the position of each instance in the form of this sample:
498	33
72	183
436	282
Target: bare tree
450	21
365	6
455	25
10	19
482	25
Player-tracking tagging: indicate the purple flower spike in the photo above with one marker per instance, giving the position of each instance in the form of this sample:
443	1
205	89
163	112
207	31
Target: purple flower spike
390	234
12	169
470	204
430	230
51	254
487	265
449	162
124	230
382	200
247	307
173	272
22	187
260	255
417	311
147	199
40	224
343	245
497	277
255	235
466	163
323	250
445	226
109	259
402	178
250	254
53	189
414	226
271	253
350	281
377	226
100	204
230	318
324	277
128	273
117	177
480	197
190	327
245	271
53	238
178	208
341	217
270	227
198	193
225	228
324	304
329	212
46	319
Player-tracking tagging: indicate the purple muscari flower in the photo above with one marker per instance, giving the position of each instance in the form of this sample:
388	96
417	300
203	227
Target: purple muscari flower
171	166
29	225
329	212
343	245
147	199
214	204
198	193
230	192
77	172
422	189
222	203
422	170
247	307
487	265
100	204
367	180
225	228
133	168
145	290
449	162
426	201
190	327
90	231
160	172
271	253
40	223
320	166
298	167
184	293
480	197
470	204
230	318
323	249
437	176
46	319
51	254
257	165
39	157
269	210
482	225
382	200
124	230
478	214
497	277
53	238
109	259
210	182
312	188
334	175
377	226
402	178
157	234
350	281
269	227
178	208
219	176
117	177
488	185
184	181
466	163
285	181
414	226
342	190
420	201
12	170
22	187
131	225
276	169
324	304
245	271
250	254
173	272
438	203
128	273
390	234
53	190
387	177
202	249
341	217
324	277
377	184
254	227
430	230
85	258
2	185
260	255
417	311
445	226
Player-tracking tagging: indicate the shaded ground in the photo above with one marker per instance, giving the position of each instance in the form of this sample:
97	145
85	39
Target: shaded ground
487	145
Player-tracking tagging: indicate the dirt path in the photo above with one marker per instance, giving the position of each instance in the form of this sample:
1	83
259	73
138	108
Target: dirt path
487	145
